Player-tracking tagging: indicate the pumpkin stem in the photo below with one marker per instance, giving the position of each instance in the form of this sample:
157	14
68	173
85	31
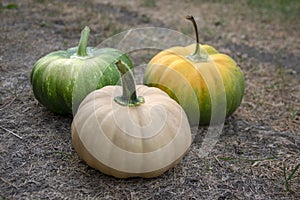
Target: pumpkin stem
129	97
83	42
198	55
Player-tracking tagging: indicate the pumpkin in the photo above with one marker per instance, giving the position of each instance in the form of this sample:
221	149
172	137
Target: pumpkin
125	135
207	84
61	79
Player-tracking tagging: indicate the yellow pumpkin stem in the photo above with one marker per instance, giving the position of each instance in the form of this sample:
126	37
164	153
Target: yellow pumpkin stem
129	97
198	55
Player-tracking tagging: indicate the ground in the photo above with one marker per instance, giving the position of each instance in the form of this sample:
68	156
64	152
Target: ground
259	142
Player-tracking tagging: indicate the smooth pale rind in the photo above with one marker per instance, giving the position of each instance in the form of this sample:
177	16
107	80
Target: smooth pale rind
61	79
146	143
183	79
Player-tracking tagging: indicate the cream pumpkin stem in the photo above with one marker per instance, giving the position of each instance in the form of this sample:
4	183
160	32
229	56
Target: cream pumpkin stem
129	97
198	55
83	42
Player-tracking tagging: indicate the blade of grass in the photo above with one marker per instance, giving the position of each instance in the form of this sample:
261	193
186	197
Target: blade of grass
286	183
293	172
9	6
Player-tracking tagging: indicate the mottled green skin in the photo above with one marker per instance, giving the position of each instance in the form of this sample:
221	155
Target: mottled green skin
61	80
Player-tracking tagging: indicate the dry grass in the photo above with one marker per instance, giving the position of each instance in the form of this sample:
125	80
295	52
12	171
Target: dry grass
37	160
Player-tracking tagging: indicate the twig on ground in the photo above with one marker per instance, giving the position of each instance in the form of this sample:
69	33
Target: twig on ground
9	183
8	104
218	161
11	132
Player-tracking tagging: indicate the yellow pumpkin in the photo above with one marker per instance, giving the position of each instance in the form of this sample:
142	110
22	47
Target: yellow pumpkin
207	84
125	135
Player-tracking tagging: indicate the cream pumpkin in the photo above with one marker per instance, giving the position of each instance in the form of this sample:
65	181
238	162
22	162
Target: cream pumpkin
125	135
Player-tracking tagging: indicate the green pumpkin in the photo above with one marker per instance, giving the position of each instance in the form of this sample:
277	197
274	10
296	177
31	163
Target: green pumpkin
62	79
207	84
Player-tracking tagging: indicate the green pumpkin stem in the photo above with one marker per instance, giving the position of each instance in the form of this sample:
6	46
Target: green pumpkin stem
83	42
198	55
129	97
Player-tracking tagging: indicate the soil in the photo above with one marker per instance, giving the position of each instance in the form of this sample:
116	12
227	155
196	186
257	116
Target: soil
259	141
